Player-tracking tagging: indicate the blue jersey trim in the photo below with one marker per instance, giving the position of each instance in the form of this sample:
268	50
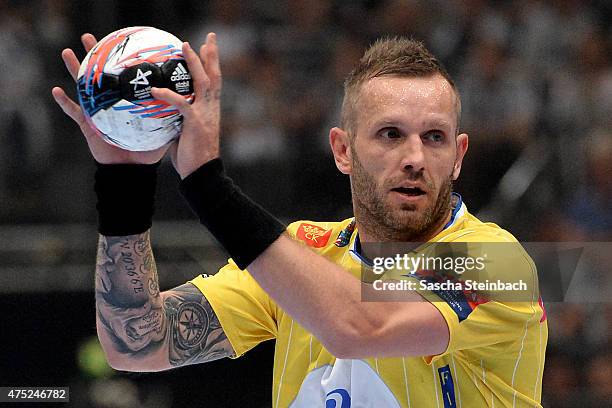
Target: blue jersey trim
455	210
356	250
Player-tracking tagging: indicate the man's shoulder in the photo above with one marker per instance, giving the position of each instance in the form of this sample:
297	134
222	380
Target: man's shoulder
320	234
488	237
471	229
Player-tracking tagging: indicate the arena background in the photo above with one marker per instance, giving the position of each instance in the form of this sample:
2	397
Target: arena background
536	83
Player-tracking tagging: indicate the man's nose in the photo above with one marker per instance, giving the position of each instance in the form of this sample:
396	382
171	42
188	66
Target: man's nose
413	154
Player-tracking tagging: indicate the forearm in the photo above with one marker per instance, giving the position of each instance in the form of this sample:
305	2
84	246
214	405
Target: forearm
142	329
319	294
327	301
128	303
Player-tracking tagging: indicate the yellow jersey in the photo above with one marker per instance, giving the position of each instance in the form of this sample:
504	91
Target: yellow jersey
495	356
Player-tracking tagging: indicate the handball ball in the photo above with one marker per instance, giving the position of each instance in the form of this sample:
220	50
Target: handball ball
114	87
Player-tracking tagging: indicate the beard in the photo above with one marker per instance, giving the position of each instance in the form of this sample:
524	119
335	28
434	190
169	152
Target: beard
385	223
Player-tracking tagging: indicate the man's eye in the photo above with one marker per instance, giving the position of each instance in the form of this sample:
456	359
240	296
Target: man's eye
390	133
435	136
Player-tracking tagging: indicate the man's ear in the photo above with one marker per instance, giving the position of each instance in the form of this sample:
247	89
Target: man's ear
341	148
462	146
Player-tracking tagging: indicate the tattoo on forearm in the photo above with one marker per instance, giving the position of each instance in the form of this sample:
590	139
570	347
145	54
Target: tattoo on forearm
196	334
140	320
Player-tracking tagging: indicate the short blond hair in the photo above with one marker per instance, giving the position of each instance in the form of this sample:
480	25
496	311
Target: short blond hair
395	56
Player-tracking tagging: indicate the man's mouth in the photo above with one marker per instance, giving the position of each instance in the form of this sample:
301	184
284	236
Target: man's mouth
410	191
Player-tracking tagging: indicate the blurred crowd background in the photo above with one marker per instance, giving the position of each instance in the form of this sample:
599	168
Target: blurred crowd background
536	84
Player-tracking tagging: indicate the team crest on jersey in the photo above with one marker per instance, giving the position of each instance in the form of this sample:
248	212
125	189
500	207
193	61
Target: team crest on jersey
313	235
345	235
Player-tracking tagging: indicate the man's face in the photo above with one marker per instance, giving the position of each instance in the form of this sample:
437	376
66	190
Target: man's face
405	155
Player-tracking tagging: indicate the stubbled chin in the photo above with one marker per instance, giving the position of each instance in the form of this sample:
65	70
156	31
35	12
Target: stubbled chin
409	207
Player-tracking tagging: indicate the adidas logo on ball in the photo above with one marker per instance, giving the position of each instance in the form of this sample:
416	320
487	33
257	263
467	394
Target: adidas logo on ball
180	73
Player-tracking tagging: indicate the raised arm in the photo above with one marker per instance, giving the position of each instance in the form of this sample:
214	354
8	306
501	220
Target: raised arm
141	328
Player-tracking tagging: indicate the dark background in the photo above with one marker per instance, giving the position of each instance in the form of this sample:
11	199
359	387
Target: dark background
536	84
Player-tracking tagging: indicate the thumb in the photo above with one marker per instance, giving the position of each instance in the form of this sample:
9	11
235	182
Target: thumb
68	106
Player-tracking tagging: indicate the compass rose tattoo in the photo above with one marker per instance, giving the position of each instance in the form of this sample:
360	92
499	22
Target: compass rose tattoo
192	321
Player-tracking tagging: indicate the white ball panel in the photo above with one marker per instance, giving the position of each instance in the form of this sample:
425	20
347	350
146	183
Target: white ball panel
131	131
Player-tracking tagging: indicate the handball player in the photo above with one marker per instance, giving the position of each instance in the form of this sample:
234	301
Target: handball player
400	144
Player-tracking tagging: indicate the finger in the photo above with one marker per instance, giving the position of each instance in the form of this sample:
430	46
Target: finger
201	82
71	62
68	106
172	98
211	61
88	41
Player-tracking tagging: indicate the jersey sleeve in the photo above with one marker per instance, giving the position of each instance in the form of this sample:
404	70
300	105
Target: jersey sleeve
480	317
247	314
489	324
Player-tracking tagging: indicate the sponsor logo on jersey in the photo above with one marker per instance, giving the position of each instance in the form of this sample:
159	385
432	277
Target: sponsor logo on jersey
338	398
313	235
448	387
345	384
